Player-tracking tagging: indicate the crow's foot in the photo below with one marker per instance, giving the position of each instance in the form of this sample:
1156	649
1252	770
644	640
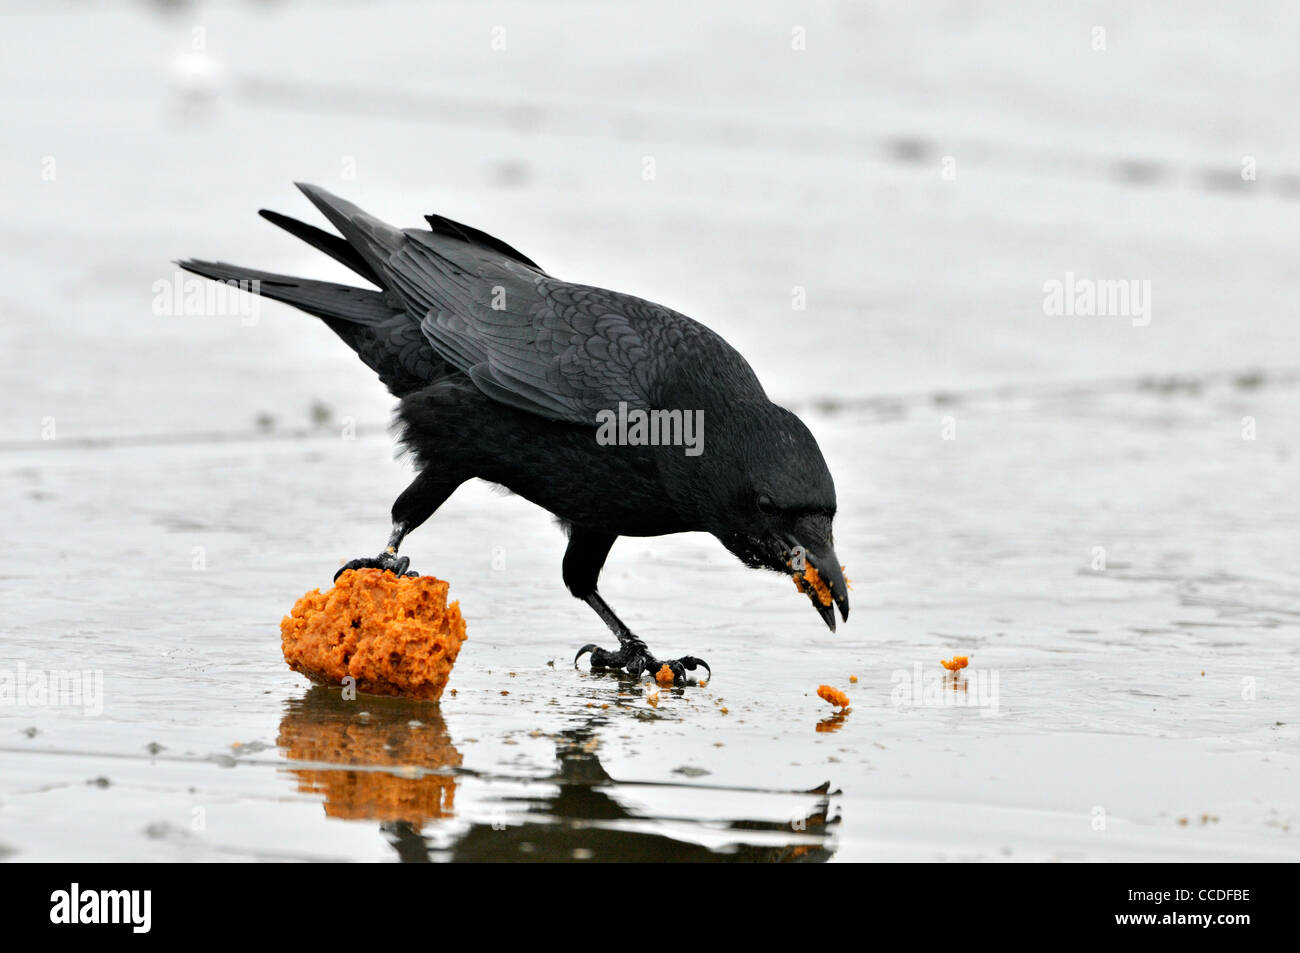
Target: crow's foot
387	560
635	658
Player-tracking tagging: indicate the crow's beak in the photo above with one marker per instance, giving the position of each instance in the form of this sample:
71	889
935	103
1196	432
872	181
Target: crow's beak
828	568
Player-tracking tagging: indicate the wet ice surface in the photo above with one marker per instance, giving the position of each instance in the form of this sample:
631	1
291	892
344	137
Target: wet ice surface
1155	689
1112	551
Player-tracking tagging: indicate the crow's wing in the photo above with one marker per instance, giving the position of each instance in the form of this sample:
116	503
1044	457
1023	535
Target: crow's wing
559	350
552	348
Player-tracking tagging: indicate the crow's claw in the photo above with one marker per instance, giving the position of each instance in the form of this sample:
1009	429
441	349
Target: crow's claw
634	657
692	663
390	562
591	647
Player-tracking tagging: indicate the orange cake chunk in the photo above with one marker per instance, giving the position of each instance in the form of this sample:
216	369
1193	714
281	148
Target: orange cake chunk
834	696
396	635
811	578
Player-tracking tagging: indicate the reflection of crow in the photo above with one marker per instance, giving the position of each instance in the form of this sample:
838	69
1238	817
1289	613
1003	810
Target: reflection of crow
504	374
582	816
363	769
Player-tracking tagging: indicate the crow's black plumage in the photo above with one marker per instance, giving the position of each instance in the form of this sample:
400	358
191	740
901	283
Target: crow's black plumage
506	374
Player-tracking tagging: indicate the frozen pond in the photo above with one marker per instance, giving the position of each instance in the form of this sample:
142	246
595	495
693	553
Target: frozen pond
1100	513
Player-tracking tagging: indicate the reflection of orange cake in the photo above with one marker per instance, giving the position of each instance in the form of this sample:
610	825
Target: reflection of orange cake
322	729
835	722
396	635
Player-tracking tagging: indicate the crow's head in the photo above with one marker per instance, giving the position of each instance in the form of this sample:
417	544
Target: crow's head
773	500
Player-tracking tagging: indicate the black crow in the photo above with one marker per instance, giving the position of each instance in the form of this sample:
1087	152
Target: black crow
619	416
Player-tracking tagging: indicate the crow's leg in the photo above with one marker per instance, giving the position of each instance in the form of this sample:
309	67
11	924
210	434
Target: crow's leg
427	492
582	564
632	654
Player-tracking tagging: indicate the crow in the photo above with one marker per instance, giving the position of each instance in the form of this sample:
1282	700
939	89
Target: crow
619	416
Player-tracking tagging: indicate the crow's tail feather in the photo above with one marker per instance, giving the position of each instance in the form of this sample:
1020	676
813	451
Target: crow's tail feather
337	248
324	299
385	339
372	239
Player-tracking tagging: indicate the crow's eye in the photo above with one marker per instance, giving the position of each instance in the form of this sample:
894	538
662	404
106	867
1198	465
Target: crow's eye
765	503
